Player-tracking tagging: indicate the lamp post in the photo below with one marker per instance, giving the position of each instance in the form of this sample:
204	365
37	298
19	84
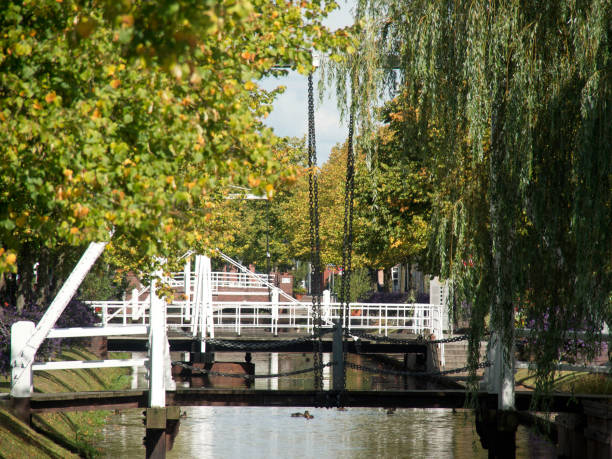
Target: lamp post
253	197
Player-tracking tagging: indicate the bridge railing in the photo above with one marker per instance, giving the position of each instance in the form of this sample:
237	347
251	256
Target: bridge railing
238	280
383	318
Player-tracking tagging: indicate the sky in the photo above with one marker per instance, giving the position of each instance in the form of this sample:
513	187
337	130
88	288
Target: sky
290	114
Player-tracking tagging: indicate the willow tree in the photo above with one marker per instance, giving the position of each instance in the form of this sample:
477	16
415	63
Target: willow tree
521	93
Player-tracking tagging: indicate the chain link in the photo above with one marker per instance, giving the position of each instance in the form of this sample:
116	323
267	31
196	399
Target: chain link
419	339
414	373
247	376
315	257
347	241
354	366
230	344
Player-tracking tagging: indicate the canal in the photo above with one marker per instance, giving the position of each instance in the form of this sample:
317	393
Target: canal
258	432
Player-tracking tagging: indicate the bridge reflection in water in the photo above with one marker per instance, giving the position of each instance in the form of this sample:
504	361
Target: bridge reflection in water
258	432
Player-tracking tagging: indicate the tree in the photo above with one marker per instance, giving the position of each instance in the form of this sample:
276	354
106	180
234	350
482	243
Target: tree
393	193
131	118
520	95
250	222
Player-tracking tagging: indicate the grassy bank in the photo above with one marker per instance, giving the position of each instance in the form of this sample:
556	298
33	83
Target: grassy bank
576	382
74	433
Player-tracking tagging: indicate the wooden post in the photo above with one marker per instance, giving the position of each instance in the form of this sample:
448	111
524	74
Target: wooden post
155	439
338	357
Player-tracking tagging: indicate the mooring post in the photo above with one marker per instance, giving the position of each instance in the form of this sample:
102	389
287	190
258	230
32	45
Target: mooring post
21	370
338	356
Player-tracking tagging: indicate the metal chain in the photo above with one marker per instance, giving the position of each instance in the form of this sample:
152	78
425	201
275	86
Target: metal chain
413	373
315	257
230	344
247	376
347	242
354	366
419	339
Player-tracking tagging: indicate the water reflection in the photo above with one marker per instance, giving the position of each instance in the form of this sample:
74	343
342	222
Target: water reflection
256	432
263	432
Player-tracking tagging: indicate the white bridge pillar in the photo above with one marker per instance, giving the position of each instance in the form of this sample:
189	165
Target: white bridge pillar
499	377
157	332
187	275
274	325
21	368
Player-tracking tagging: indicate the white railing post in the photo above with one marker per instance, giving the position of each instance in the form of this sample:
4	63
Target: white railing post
135	311
157	329
187	286
125	307
326	304
197	296
386	320
21	368
207	312
274	370
275	311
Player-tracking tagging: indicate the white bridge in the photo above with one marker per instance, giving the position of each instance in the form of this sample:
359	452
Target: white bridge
196	309
206	302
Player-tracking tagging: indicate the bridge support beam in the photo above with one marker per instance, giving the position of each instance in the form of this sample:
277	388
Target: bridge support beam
497	431
162	426
338	358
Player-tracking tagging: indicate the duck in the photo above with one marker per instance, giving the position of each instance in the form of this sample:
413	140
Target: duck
341	408
390	411
305	414
184	414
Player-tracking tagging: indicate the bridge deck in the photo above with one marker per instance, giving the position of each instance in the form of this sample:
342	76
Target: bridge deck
82	401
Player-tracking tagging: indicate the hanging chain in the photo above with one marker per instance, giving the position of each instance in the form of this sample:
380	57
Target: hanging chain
315	254
347	242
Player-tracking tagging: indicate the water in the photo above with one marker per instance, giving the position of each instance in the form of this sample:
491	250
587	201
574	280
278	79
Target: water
261	432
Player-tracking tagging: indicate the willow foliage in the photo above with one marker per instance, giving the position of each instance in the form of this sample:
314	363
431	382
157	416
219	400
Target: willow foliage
522	95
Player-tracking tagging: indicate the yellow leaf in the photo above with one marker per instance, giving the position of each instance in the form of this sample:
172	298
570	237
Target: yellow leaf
115	83
50	97
11	258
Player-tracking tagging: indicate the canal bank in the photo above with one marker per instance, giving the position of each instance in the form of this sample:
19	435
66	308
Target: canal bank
61	435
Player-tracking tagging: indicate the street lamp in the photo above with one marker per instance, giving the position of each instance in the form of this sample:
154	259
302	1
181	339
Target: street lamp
255	197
